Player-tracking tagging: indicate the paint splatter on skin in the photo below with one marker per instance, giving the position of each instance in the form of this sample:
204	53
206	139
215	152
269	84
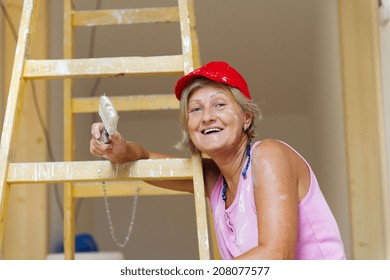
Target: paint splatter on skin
283	197
233	113
254	164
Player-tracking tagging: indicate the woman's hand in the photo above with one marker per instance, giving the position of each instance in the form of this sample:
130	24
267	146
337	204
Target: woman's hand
117	151
121	151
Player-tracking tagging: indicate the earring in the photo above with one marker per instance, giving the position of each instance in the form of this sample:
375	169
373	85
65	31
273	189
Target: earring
245	127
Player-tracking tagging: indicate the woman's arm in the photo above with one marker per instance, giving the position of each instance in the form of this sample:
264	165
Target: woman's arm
276	172
121	151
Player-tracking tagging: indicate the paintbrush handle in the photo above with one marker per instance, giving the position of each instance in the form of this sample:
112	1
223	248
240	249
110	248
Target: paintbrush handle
105	137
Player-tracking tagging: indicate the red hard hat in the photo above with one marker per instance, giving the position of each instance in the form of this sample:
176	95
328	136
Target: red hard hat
217	71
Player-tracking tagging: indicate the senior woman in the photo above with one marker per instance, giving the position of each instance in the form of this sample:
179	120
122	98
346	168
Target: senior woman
265	199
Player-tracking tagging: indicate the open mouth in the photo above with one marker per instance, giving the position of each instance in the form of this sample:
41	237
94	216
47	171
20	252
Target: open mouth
211	130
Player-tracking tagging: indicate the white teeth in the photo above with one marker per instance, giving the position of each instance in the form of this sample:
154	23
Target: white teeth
211	130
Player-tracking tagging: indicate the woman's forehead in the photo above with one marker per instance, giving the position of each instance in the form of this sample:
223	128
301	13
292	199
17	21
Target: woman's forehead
209	92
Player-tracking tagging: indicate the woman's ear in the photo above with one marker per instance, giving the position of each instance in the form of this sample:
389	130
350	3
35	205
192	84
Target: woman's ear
248	119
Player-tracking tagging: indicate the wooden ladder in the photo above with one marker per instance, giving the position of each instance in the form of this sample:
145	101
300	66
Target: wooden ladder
78	176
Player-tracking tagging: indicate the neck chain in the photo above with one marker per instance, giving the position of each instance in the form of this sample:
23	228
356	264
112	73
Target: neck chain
248	160
109	219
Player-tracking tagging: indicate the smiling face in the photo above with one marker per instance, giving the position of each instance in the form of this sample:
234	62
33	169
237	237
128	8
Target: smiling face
215	120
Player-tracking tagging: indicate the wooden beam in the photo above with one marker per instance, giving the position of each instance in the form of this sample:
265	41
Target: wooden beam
125	16
194	35
199	188
27	209
128	103
86	190
102	67
186	42
200	207
360	54
98	171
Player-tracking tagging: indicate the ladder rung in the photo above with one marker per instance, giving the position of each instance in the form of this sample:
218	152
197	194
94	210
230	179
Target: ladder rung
98	171
128	103
126	16
102	67
85	190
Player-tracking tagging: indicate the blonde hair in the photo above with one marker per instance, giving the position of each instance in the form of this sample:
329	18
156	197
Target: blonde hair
247	106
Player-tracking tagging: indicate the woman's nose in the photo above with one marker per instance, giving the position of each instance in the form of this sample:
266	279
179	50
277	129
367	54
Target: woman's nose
208	115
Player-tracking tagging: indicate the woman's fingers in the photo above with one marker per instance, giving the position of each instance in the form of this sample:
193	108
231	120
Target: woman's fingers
96	130
96	146
114	151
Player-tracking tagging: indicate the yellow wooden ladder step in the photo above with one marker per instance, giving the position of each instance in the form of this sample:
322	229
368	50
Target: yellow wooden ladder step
92	171
102	67
118	189
125	16
127	103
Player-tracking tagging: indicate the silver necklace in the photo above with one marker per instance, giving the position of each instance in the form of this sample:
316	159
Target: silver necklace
109	219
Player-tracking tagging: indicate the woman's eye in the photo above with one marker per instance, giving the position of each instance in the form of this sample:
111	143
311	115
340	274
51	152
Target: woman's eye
196	109
220	105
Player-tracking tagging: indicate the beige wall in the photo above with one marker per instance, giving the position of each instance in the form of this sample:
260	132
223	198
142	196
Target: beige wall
289	53
327	113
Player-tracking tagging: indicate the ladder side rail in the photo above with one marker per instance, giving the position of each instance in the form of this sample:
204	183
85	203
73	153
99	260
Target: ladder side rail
200	207
198	180
15	103
197	64
185	36
194	35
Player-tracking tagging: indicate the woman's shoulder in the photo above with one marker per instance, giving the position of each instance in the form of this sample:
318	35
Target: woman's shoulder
279	156
274	151
271	146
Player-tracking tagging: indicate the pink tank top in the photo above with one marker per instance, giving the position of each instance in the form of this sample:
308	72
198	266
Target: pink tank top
236	227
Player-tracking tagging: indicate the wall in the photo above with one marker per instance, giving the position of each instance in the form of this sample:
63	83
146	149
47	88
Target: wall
287	50
327	113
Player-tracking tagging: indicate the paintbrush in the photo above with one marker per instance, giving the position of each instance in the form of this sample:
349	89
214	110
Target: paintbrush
109	118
